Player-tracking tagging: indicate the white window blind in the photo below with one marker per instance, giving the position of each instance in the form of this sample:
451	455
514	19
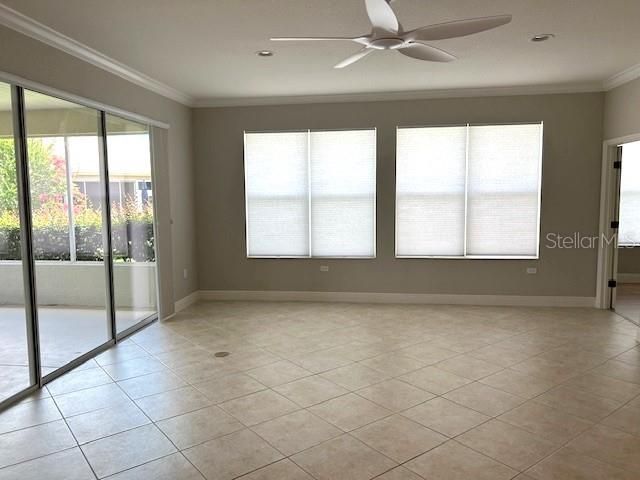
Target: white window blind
629	232
430	180
311	193
468	191
277	193
503	190
343	191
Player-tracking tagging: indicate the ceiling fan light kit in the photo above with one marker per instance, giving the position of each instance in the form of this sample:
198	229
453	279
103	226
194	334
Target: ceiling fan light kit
543	37
387	34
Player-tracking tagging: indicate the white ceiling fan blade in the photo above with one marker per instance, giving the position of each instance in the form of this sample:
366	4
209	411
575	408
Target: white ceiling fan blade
382	16
421	51
354	58
312	39
459	28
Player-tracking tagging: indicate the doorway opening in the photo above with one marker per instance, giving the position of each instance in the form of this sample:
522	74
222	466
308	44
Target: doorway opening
619	252
626	300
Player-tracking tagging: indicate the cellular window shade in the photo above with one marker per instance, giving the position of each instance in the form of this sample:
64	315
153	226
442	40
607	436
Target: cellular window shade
310	193
276	183
343	189
629	232
430	191
503	189
468	191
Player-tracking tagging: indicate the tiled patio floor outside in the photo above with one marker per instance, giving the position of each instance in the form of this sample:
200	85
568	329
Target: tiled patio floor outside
65	334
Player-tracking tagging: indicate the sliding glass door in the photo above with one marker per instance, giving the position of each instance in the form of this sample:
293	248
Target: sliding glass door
15	372
132	232
77	241
63	152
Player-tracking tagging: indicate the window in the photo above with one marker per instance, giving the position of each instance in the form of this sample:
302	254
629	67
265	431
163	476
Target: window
468	191
310	193
630	196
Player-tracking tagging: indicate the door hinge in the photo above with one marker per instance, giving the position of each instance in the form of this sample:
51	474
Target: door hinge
612	284
617	164
615	224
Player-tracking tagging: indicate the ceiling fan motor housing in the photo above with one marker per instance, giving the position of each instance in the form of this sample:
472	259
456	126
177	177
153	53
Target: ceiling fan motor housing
388	43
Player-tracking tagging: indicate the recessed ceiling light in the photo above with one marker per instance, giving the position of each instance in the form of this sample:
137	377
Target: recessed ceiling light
543	37
265	53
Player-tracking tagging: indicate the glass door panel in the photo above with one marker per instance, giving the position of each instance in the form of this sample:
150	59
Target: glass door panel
132	233
64	157
14	350
626	295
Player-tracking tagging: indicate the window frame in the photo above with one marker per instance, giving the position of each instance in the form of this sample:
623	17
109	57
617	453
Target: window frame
536	256
310	256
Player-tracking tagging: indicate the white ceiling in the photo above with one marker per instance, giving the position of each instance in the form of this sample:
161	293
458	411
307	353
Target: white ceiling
205	48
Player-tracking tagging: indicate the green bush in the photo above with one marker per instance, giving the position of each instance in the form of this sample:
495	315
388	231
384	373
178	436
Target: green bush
9	236
132	241
132	233
47	177
132	225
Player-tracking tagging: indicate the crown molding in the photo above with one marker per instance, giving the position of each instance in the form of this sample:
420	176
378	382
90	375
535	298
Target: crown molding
21	23
622	77
408	95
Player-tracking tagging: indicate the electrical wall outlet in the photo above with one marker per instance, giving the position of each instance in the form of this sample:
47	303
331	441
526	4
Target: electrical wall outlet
324	268
185	273
532	270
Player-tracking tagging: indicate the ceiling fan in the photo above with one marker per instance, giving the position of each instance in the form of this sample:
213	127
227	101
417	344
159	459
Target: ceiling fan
387	34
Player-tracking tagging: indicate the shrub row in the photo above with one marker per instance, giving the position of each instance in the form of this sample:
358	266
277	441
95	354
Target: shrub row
132	241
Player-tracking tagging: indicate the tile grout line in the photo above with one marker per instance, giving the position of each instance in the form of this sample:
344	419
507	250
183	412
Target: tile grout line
177	450
74	438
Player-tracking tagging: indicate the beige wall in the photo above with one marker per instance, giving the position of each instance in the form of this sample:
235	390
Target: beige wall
622	111
570	192
35	61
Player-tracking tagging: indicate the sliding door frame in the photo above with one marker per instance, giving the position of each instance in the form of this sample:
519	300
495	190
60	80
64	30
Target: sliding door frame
26	232
609	195
26	250
106	222
36	378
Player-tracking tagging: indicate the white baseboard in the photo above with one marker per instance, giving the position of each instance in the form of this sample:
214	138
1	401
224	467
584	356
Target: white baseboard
405	298
187	301
628	277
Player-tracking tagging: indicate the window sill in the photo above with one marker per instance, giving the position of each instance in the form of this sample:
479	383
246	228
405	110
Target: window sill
470	257
294	257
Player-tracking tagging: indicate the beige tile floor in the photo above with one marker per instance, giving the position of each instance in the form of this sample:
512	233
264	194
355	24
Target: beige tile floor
341	391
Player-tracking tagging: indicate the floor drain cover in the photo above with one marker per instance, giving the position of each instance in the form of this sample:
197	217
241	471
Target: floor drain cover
221	354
